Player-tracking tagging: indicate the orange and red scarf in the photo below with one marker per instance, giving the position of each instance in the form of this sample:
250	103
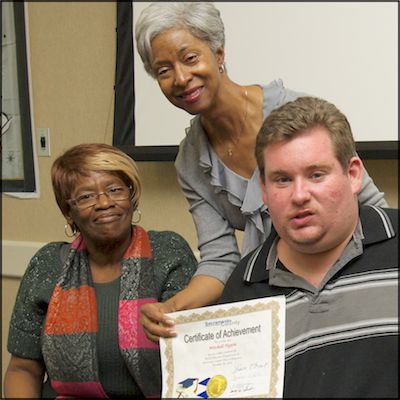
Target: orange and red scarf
69	339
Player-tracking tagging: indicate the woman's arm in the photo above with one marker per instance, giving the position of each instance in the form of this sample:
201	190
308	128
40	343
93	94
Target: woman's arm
202	290
217	243
219	253
369	192
23	378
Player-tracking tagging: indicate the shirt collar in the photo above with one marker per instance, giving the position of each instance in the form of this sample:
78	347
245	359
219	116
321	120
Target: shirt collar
373	226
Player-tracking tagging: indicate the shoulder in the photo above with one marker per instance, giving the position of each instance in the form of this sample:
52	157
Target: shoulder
250	277
173	263
374	217
168	243
48	249
191	132
239	271
393	214
234	289
44	268
47	257
41	274
171	253
238	277
166	237
276	94
191	146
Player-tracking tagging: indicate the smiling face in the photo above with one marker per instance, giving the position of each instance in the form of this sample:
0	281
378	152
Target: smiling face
108	220
186	69
311	200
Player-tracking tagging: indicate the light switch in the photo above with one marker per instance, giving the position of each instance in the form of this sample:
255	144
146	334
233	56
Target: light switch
43	142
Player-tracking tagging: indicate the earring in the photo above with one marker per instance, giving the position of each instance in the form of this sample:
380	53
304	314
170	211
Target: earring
221	68
73	229
139	216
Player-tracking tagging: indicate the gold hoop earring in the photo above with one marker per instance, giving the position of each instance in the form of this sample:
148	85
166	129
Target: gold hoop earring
73	232
139	216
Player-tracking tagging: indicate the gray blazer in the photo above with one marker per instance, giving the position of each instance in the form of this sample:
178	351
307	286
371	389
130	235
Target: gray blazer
221	201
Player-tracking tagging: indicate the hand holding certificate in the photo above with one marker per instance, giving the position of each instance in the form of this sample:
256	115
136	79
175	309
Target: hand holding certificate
230	350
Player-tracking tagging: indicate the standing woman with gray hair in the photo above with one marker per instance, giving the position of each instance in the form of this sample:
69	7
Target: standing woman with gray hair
182	46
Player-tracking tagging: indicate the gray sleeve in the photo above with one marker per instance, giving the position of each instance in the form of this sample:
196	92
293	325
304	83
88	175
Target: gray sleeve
369	192
275	95
30	307
219	253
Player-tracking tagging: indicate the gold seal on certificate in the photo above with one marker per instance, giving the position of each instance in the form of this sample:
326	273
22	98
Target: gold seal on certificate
211	358
216	386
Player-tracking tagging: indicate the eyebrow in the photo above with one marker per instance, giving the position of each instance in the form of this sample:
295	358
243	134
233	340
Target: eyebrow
157	63
90	188
276	172
310	168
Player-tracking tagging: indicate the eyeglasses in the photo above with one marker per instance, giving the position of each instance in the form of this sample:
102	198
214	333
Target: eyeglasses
115	193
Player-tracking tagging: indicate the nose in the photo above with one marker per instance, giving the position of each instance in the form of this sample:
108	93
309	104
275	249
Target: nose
103	200
182	75
301	193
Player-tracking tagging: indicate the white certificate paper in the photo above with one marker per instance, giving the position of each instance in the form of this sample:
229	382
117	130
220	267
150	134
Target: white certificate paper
230	350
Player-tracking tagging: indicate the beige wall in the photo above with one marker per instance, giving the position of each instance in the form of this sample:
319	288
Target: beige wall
72	64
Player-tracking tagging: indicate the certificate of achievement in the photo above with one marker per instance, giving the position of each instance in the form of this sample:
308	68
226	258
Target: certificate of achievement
229	350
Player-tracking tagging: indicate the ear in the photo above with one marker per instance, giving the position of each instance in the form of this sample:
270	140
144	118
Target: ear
355	172
220	55
68	217
263	190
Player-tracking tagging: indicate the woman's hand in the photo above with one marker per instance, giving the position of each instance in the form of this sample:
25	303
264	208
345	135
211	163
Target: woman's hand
24	378
202	291
154	321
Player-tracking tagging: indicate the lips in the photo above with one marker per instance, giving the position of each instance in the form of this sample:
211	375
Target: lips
302	218
192	95
106	218
302	214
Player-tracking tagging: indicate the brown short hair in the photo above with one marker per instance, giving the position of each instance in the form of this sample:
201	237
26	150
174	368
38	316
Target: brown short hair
303	114
77	161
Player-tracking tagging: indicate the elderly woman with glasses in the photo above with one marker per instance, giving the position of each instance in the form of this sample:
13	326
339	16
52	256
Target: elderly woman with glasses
76	316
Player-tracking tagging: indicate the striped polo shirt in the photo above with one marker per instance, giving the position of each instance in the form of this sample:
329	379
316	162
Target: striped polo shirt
342	337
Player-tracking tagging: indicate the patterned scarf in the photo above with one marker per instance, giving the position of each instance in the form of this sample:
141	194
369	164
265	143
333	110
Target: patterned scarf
69	339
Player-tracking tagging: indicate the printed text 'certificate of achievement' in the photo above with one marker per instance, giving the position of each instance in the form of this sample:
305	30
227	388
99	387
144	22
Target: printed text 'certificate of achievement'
230	350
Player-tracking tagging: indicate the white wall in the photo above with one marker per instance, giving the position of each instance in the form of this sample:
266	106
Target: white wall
345	52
